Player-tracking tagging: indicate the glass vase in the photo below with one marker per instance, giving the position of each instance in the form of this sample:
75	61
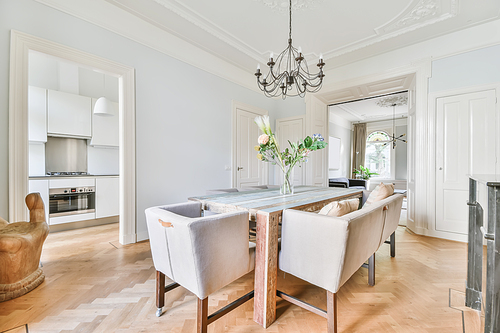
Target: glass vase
286	185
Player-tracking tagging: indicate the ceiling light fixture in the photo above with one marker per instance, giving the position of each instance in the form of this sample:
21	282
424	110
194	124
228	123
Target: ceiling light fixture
295	80
103	106
394	101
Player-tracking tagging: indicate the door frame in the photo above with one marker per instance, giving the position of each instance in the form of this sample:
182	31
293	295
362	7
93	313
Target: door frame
432	130
234	135
21	44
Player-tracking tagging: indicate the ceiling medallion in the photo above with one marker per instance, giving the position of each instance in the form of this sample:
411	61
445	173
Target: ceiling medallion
289	74
282	5
393	101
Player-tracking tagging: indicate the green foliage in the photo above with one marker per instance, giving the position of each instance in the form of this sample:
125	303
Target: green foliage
365	173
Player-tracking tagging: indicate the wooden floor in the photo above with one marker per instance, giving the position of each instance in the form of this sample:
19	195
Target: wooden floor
93	284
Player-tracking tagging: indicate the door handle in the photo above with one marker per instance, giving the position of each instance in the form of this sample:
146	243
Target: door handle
240	168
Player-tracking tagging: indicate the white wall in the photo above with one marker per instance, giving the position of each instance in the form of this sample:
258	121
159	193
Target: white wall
183	114
468	69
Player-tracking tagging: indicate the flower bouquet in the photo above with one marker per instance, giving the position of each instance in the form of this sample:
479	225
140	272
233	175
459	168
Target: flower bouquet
269	151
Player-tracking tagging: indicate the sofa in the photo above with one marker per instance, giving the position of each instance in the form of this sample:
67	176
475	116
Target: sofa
326	251
348	183
334	248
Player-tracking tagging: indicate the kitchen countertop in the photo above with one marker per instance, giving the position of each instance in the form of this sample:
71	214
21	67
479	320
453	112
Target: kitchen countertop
69	177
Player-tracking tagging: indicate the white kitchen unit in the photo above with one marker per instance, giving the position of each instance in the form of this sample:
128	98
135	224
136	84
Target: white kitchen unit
69	114
37	114
105	128
107	197
41	186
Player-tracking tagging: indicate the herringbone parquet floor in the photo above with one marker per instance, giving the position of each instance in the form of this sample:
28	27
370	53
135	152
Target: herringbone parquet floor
93	284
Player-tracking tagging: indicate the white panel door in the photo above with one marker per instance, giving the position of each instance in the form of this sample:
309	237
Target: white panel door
465	144
249	169
411	152
291	129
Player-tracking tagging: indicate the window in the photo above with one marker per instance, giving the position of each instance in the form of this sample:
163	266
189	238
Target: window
378	154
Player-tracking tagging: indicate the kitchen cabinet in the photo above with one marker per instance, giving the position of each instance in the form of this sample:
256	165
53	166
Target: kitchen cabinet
41	186
107	196
105	128
69	114
37	114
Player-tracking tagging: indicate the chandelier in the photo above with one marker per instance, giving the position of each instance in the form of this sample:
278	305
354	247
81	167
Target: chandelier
289	74
394	101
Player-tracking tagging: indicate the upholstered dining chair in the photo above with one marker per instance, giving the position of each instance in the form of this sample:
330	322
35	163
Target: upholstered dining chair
201	254
326	251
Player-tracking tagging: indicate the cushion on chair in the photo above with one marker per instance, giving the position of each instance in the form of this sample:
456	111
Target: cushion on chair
339	208
380	192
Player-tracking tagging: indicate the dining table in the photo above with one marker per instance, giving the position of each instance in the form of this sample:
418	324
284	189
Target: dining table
265	207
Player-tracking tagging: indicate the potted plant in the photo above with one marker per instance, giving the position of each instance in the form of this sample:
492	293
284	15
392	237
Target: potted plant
364	173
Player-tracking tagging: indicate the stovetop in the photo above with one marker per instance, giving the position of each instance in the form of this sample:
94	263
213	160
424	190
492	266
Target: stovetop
68	174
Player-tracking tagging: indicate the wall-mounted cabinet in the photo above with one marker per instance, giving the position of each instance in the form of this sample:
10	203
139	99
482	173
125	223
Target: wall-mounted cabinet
69	114
37	114
105	128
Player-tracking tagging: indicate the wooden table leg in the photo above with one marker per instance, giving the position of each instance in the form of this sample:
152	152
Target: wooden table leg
266	269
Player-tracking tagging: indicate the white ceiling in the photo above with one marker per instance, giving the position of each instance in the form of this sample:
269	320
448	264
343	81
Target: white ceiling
367	110
244	32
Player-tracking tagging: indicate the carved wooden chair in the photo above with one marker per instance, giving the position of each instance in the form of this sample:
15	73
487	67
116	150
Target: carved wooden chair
20	250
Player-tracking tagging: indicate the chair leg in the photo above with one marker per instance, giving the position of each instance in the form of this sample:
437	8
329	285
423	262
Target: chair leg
393	244
371	270
160	292
331	311
202	316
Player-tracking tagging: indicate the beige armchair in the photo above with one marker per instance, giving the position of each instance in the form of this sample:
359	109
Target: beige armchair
201	254
20	250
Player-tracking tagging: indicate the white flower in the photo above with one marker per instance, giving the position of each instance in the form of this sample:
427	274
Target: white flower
264	124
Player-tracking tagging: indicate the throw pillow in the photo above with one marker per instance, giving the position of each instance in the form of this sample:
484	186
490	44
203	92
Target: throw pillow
380	192
339	208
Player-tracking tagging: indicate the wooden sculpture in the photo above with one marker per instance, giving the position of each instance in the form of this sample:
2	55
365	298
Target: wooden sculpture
20	249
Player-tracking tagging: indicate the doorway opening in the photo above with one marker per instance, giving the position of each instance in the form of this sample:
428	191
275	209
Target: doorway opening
21	45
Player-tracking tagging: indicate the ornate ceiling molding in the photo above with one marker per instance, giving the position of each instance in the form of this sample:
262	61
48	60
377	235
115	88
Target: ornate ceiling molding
418	14
281	6
205	24
425	12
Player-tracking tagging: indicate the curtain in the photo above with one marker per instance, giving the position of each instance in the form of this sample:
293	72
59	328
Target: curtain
358	146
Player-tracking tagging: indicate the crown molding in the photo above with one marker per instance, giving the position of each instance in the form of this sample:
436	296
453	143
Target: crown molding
128	25
418	14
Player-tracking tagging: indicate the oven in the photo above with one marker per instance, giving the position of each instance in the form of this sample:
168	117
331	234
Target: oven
71	201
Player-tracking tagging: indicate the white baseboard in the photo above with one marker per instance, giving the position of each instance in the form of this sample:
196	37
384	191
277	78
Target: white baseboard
142	236
127	239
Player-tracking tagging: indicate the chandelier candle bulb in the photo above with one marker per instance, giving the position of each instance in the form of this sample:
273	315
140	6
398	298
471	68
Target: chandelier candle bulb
271	56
